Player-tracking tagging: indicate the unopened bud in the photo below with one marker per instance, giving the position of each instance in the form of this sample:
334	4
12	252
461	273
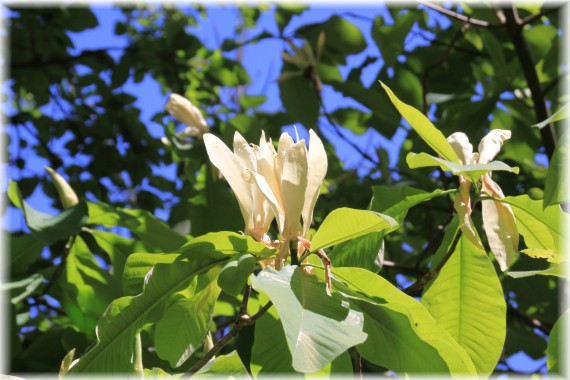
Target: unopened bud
66	194
185	112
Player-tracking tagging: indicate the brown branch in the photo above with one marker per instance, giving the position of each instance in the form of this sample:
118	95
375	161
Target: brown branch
243	319
459	16
417	272
515	28
534	323
532	18
421	282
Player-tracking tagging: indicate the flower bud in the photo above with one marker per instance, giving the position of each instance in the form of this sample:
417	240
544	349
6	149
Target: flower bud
185	112
66	194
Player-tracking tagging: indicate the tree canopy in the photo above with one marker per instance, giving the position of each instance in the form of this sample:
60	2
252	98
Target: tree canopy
321	190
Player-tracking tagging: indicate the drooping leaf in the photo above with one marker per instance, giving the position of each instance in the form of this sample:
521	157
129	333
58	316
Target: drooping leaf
49	228
424	127
186	321
24	250
554	349
318	327
345	223
556	270
466	298
561	114
541	228
402	334
472	171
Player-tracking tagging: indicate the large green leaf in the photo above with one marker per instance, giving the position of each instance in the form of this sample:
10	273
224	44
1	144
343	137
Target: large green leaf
421	124
300	99
49	228
396	201
541	228
345	223
471	171
467	299
318	327
554	349
223	366
235	273
185	323
126	316
402	334
390	38
152	231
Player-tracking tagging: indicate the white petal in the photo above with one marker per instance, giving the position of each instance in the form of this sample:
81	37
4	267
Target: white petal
491	144
318	165
293	186
244	152
183	110
462	205
223	158
461	146
285	142
499	223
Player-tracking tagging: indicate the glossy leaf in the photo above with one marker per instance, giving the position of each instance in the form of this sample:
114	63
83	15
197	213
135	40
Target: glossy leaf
345	223
402	334
365	252
318	327
466	298
424	127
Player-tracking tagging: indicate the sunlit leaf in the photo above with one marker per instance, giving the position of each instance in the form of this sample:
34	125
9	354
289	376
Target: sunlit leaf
235	273
554	348
466	298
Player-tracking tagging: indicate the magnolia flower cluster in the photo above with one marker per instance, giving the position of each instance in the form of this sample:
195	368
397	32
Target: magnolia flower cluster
498	218
270	184
186	113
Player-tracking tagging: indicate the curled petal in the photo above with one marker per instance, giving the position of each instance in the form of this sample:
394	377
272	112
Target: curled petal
461	146
318	164
261	183
499	224
462	205
491	144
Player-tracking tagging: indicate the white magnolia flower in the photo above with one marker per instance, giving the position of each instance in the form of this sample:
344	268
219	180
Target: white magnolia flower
498	218
187	113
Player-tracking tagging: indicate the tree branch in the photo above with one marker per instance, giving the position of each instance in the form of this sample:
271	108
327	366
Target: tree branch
459	16
532	18
515	29
534	323
59	269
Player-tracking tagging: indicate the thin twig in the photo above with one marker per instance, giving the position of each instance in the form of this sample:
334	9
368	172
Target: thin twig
532	18
534	323
459	16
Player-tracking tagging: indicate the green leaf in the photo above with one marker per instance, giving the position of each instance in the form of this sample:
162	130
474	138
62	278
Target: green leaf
557	271
285	11
554	349
541	253
402	334
345	223
541	228
556	184
223	366
365	252
24	251
152	231
126	316
252	101
185	323
318	327
396	201
472	171
138	265
424	127
235	273
49	228
467	299
390	38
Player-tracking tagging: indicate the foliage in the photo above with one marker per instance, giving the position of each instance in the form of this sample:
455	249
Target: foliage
396	268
